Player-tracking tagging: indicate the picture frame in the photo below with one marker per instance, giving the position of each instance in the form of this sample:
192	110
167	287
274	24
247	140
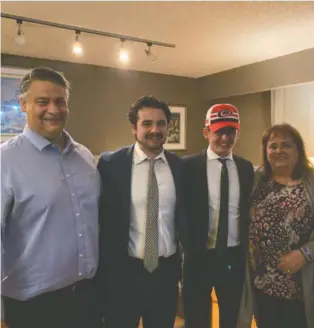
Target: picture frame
176	139
12	119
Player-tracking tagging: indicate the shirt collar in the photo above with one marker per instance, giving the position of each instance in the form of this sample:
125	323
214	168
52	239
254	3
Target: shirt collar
139	156
212	155
40	142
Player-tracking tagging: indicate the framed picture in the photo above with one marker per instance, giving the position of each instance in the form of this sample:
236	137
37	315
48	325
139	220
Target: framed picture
176	139
12	118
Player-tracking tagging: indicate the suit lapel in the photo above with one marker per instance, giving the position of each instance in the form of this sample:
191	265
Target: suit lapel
201	184
242	179
202	176
125	175
243	195
174	170
177	171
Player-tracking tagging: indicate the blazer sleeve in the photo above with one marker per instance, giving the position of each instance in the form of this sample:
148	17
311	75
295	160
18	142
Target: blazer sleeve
104	209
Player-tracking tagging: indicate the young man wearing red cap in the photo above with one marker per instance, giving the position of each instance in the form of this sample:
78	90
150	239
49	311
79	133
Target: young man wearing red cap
218	186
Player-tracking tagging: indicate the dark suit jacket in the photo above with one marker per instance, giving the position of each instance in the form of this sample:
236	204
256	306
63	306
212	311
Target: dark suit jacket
115	210
196	190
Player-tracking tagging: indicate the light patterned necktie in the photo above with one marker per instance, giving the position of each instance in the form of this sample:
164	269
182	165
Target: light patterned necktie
151	236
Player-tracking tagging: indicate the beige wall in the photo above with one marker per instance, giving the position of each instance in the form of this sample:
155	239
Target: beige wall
282	71
101	97
248	88
254	112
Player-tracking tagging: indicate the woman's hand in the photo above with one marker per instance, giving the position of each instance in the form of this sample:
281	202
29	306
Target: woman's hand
291	262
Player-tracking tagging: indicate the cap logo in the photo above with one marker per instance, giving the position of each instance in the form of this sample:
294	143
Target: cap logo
224	113
221	115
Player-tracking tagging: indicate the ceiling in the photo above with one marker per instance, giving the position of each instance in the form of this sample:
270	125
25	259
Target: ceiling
210	37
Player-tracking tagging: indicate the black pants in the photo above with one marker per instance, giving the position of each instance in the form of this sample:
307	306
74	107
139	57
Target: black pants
274	312
205	271
75	306
152	297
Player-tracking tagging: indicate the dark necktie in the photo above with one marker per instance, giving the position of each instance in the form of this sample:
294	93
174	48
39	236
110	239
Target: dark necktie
222	234
151	235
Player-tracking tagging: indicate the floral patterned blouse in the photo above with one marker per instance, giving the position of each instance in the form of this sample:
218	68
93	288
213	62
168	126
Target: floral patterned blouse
281	221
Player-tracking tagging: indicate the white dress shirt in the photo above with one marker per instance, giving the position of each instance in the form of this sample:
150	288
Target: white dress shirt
213	182
167	203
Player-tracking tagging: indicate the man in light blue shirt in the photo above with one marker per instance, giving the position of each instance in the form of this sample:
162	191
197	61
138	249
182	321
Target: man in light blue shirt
49	215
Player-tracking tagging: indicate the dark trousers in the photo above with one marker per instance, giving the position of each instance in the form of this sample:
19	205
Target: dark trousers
75	306
202	272
274	312
150	296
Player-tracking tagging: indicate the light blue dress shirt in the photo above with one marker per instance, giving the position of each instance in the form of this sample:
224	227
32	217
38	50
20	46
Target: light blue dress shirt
49	215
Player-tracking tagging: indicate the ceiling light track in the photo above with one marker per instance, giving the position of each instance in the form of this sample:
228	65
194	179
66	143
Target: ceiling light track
87	30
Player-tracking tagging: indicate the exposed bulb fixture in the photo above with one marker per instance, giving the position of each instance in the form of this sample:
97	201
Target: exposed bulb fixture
149	53
77	47
20	38
124	54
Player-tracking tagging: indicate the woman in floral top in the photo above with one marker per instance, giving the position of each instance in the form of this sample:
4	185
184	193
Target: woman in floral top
280	228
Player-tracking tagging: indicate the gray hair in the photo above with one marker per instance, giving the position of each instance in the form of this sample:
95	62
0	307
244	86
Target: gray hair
43	74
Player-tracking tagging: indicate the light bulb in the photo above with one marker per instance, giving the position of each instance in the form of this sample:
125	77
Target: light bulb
124	55
149	53
20	39
77	48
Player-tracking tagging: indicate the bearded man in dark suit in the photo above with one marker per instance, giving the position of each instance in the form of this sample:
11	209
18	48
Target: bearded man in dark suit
142	222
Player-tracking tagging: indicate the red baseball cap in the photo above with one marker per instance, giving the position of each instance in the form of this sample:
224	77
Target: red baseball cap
221	115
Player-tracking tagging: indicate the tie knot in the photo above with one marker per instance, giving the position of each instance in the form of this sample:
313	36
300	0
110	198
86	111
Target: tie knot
152	161
223	161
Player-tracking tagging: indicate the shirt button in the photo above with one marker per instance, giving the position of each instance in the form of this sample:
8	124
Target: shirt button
80	273
81	255
77	214
73	194
67	175
80	235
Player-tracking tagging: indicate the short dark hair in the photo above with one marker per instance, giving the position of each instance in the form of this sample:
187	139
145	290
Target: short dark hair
147	101
304	166
43	74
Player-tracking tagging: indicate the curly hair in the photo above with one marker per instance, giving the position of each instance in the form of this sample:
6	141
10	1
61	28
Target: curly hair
147	101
